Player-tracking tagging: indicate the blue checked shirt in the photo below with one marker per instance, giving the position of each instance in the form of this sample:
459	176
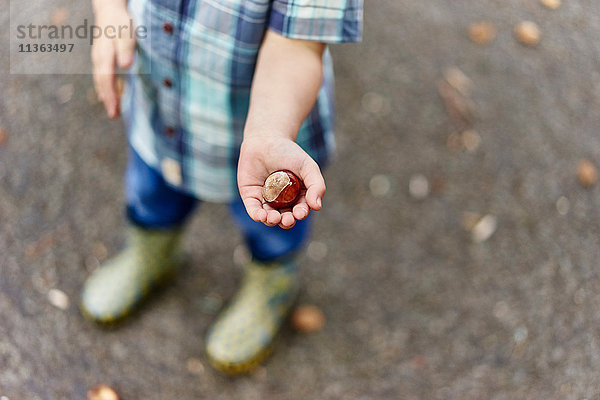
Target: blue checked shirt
188	96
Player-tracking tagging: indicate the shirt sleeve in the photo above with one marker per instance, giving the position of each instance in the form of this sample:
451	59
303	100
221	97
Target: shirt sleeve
328	21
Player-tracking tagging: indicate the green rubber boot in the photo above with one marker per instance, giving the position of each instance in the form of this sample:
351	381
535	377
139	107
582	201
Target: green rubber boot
114	290
243	334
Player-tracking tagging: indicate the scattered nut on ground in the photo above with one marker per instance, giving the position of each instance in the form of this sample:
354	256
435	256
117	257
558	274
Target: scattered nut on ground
102	392
587	173
551	4
528	33
482	33
308	319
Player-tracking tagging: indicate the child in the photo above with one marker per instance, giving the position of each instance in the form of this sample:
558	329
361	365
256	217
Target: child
219	87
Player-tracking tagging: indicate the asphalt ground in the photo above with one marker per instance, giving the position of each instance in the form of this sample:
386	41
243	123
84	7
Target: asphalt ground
418	306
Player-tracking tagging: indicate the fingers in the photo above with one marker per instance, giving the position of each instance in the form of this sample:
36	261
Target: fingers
301	209
287	220
255	209
103	58
125	51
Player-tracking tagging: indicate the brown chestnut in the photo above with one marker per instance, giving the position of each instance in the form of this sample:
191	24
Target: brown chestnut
281	189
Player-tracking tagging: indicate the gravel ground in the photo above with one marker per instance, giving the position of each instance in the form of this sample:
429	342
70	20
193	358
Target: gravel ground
416	309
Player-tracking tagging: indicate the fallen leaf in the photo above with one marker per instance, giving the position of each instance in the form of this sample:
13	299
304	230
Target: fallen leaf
35	249
551	4
484	228
3	136
528	33
195	366
469	220
459	107
587	173
482	33
102	392
418	361
471	140
308	319
58	299
458	80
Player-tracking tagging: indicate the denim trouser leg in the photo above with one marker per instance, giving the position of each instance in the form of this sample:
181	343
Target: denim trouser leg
151	203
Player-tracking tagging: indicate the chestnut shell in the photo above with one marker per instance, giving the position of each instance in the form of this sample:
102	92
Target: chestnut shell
281	189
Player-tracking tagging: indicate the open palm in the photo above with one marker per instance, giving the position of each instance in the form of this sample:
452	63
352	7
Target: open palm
259	157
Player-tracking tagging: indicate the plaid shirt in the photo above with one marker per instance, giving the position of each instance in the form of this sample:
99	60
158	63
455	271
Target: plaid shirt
188	96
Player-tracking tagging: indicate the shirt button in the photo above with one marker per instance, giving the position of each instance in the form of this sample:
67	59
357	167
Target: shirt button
170	131
168	83
168	27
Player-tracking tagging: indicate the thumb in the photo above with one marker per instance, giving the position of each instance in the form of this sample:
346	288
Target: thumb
315	184
125	51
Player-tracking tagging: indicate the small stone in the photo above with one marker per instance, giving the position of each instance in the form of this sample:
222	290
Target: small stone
528	33
484	229
308	319
102	392
551	4
64	94
458	80
58	299
563	205
587	173
418	187
380	185
482	33
317	251
195	366
59	16
471	140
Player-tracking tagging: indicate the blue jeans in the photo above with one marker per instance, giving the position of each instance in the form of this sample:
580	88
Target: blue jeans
151	203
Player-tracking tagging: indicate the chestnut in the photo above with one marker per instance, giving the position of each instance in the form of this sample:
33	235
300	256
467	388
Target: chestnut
281	189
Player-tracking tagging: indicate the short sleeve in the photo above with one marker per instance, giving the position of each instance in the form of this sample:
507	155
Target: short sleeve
329	21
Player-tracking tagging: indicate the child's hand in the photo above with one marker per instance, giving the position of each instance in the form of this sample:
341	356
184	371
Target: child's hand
259	157
107	52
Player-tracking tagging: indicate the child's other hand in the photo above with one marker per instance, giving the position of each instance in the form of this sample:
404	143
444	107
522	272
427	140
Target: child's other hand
259	157
108	52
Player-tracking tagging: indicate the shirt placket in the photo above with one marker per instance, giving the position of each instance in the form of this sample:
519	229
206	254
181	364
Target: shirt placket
166	77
